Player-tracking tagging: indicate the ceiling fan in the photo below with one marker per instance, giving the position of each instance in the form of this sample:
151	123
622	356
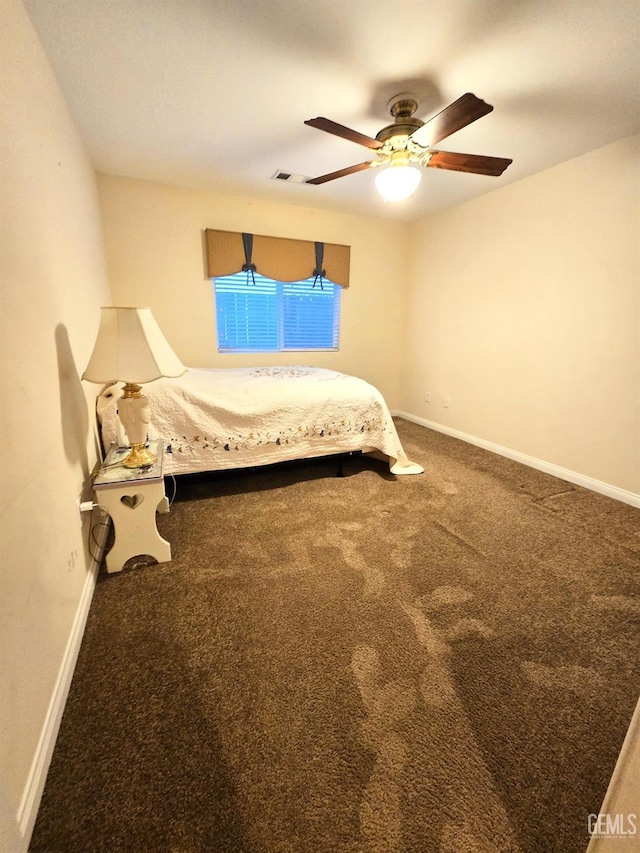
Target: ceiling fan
410	140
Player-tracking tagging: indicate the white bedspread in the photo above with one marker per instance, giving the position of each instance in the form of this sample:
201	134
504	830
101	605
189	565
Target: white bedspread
212	419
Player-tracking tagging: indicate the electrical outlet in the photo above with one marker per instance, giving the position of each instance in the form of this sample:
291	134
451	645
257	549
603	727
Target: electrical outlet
447	402
427	396
83	507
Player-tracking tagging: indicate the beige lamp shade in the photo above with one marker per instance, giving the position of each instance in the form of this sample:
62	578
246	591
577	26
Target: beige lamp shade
131	348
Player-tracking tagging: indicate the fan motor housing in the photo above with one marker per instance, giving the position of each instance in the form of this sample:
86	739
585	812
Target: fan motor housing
402	108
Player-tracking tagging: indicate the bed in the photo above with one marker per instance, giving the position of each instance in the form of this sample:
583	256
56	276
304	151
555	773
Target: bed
220	418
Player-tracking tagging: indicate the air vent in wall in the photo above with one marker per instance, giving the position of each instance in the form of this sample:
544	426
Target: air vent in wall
287	176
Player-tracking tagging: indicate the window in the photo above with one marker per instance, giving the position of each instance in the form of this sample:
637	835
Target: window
276	316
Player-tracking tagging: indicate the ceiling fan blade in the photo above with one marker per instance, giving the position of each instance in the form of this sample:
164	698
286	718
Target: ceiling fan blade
457	115
476	163
345	132
340	173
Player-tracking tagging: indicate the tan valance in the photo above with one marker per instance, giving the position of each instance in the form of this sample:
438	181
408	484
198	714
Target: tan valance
279	258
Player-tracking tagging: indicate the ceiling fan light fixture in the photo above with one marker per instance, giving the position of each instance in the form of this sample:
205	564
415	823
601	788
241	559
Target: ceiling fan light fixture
409	140
398	182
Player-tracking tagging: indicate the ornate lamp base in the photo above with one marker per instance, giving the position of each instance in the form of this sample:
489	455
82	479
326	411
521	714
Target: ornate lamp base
140	457
133	408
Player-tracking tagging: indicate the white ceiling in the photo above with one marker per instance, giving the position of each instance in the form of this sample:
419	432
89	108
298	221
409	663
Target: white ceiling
214	93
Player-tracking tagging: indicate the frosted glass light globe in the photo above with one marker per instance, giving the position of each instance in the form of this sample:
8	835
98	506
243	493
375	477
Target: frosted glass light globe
397	183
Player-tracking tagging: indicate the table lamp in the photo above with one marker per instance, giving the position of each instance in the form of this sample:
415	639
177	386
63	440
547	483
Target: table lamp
130	348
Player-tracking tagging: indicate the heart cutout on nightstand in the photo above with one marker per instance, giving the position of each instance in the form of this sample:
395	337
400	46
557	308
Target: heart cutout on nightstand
132	501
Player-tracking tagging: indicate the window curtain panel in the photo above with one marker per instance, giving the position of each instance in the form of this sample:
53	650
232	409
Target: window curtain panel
279	258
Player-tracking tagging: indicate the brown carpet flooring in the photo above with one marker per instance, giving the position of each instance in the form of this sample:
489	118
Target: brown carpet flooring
367	664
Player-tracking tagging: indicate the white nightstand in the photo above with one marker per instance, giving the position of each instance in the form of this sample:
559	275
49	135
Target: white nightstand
132	497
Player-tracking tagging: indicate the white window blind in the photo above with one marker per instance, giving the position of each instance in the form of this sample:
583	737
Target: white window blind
258	314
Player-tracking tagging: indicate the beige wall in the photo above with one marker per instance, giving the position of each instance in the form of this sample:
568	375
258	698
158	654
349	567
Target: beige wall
53	280
525	310
155	257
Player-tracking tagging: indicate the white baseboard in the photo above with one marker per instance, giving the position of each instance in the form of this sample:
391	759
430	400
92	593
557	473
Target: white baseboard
549	468
621	798
32	794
